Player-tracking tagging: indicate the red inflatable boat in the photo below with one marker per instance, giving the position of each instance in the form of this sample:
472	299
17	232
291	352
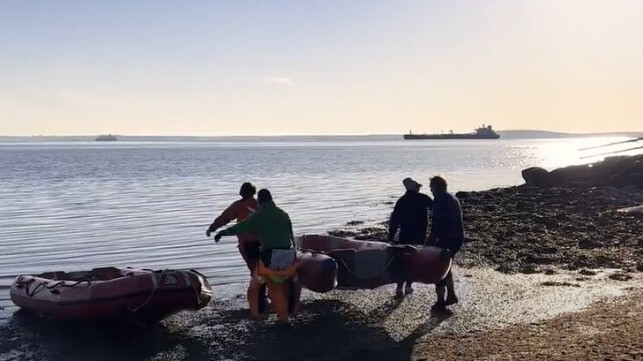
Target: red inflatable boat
365	264
110	292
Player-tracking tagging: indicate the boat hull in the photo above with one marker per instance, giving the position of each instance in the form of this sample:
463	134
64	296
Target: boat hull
366	264
110	293
317	272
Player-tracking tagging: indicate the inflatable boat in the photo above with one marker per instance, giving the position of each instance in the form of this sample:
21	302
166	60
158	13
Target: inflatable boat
316	272
366	264
108	293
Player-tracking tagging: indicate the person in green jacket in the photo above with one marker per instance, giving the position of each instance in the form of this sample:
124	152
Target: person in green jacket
270	222
274	228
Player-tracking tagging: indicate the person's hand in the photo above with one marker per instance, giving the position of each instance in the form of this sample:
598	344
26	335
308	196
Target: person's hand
217	237
208	233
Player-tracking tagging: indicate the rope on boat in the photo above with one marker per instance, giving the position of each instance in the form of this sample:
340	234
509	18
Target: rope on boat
151	295
43	285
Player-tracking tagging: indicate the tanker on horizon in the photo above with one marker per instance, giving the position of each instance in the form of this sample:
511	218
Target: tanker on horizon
106	138
484	132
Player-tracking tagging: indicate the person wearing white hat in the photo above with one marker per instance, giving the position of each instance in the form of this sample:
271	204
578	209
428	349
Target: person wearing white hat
410	217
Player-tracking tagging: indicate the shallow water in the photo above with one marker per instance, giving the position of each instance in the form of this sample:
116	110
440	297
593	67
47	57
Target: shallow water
79	205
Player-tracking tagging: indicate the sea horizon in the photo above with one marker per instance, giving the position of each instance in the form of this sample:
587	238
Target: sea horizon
505	134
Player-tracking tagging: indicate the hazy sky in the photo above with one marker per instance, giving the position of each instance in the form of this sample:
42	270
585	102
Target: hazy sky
326	67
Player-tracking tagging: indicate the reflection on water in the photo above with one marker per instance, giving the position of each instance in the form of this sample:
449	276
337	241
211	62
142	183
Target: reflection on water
146	204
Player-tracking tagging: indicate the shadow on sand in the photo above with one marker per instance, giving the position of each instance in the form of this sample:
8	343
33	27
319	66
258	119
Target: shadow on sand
327	330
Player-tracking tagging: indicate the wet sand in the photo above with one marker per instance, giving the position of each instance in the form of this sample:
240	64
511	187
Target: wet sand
340	325
610	330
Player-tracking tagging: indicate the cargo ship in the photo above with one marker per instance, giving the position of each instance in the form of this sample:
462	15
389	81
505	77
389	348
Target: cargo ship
484	132
106	138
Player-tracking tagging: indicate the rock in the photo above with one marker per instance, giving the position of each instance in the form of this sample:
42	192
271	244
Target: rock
354	223
586	272
343	234
639	266
536	177
619	171
550	272
554	283
603	221
580	262
620	276
539	259
574	174
588	244
547	249
521	205
529	268
506	268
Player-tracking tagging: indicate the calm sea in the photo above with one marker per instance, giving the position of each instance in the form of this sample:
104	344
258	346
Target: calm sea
78	205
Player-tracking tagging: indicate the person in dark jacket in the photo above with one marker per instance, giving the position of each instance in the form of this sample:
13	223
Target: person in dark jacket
447	232
410	216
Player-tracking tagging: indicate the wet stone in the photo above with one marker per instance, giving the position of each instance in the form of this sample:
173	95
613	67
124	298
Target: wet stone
586	272
619	276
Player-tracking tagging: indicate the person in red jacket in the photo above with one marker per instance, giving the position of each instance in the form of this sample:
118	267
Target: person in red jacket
249	243
240	210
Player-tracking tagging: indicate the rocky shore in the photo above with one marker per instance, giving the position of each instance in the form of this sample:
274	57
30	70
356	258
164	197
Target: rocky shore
559	223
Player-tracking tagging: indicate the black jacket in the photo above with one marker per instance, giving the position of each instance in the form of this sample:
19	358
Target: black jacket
410	215
447	230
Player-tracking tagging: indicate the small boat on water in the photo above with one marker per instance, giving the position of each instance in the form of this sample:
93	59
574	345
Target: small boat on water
106	138
484	132
365	264
109	293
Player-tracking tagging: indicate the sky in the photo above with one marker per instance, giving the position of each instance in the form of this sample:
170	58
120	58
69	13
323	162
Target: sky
319	67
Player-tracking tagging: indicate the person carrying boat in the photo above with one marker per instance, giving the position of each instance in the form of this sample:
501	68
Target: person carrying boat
278	257
447	232
410	216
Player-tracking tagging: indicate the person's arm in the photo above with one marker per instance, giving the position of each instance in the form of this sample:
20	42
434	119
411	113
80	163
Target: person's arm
249	225
394	222
224	218
292	235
